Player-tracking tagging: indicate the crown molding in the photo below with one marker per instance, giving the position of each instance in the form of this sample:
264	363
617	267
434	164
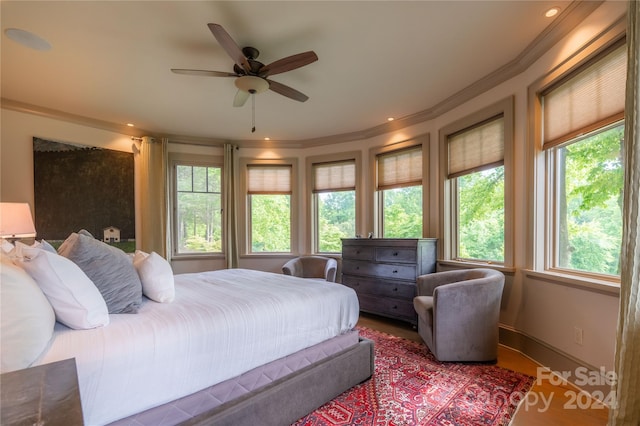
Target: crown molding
54	114
571	17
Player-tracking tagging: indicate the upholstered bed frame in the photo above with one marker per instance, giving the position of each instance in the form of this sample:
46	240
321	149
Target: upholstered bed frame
278	393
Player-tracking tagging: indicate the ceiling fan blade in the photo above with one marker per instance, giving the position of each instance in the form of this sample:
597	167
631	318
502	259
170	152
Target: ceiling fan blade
203	73
229	46
240	98
287	91
289	63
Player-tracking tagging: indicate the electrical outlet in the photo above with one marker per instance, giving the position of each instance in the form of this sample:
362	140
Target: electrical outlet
577	335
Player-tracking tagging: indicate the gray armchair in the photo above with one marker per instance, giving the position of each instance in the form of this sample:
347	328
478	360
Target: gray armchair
458	313
317	267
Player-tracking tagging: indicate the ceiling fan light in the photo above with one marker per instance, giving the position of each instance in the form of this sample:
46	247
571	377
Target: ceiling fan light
252	84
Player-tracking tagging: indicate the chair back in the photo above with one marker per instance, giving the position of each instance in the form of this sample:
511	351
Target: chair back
312	267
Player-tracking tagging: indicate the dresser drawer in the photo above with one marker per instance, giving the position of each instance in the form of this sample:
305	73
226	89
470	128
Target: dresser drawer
382	270
395	308
401	290
357	252
396	255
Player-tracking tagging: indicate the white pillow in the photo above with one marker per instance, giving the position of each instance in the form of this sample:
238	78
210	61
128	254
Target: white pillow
7	247
75	299
156	276
27	318
46	246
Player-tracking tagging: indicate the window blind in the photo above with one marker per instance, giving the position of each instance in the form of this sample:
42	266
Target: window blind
476	148
591	99
334	176
400	168
269	179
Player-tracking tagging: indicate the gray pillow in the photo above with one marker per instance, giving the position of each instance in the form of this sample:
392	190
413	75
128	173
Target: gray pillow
110	269
85	232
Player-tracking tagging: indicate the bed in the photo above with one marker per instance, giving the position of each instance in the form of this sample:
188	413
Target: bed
233	347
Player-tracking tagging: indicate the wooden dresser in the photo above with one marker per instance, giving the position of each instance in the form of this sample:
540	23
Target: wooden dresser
383	272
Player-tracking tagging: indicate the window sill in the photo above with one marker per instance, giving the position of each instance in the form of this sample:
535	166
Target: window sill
600	286
267	256
469	265
194	256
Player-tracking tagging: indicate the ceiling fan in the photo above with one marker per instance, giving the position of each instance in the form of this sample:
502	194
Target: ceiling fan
251	75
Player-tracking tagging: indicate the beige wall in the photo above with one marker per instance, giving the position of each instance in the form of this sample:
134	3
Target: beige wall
538	307
16	148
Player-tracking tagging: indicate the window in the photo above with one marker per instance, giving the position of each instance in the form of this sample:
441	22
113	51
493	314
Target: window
476	171
476	163
269	203
399	191
582	140
334	204
197	222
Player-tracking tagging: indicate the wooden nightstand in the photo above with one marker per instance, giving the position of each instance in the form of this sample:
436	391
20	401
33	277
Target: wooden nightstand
46	395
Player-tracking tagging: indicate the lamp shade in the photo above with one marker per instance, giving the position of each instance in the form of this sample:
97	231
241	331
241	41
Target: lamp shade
251	84
16	221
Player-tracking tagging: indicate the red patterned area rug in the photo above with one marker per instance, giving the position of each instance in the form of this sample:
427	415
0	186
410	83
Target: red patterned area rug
410	387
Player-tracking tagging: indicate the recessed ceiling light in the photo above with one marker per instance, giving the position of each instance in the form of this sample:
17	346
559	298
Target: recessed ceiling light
552	12
28	39
267	139
130	125
390	119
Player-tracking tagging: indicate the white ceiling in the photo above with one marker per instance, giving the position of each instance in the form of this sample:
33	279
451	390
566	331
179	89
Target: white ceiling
111	60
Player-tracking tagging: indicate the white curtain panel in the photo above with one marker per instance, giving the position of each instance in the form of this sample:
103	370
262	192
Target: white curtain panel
151	196
627	411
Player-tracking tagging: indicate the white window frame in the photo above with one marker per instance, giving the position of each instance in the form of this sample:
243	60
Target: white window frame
181	159
448	200
375	216
538	239
311	162
245	210
551	172
552	218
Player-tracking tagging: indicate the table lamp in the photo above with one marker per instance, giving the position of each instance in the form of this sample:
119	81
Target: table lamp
16	221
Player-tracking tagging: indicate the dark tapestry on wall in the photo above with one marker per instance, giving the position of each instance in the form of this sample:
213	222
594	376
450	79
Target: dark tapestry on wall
83	187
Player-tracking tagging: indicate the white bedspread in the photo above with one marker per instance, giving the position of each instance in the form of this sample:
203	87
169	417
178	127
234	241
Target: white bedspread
221	324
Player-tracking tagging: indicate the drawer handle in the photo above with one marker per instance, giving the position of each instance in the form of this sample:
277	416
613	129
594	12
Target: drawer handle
395	254
395	271
357	268
395	289
395	307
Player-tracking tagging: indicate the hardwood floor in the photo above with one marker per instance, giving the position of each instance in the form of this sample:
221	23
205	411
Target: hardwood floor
546	403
